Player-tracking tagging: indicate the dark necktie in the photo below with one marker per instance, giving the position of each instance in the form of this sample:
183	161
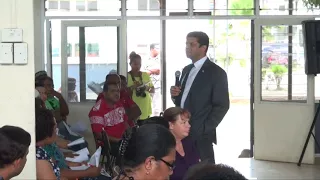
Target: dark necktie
186	77
183	84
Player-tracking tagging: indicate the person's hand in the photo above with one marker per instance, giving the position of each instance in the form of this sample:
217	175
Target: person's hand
93	171
175	91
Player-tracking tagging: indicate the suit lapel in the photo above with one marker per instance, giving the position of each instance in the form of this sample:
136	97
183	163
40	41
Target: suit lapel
198	80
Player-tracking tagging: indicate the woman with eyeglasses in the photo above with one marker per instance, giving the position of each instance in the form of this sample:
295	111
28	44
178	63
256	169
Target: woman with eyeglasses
147	153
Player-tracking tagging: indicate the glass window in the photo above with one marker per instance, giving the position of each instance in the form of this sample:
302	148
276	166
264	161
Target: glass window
281	7
274	7
56	58
143	8
92	5
83	8
76	50
231	7
53	4
92	50
145	41
177	7
99	64
80	5
65	5
69	50
280	46
55	52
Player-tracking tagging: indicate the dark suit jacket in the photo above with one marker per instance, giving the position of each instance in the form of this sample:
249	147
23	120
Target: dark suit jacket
207	101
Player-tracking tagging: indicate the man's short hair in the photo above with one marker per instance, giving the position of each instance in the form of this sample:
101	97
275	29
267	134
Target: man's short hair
14	145
202	38
106	86
207	170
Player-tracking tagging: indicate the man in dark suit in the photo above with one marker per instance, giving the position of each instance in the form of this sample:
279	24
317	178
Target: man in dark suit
203	92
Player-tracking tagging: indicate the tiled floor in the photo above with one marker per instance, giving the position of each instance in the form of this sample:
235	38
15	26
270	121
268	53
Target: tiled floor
265	170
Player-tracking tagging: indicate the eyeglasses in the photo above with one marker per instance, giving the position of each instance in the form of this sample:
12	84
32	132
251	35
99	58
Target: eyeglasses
170	165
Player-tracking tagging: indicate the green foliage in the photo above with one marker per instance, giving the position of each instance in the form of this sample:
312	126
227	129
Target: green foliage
263	73
225	61
243	63
242	7
278	71
312	4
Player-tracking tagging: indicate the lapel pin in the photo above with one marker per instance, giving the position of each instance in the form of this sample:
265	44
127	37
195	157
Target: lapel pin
203	71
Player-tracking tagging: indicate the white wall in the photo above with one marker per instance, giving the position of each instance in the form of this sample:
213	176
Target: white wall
17	82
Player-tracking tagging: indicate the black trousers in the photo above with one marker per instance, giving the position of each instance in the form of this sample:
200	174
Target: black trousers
205	148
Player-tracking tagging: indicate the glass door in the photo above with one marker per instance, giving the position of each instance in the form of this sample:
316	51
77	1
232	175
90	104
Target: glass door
90	50
283	95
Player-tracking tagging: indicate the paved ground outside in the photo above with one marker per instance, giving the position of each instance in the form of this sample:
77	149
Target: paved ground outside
234	132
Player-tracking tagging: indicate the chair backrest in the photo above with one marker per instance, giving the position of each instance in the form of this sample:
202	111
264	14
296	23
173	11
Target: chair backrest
106	141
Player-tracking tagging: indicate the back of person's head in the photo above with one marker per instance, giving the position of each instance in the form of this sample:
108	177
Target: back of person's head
202	38
123	78
14	147
113	71
45	124
157	120
141	146
134	56
207	170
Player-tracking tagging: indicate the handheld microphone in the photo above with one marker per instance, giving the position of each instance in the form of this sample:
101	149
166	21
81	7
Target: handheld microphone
177	74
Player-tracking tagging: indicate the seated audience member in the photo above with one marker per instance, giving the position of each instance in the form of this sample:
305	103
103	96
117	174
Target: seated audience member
54	99
207	170
132	110
14	148
92	173
45	134
72	94
147	153
56	103
177	121
108	113
39	75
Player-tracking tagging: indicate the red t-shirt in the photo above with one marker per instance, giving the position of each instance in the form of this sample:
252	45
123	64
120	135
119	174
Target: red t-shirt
112	119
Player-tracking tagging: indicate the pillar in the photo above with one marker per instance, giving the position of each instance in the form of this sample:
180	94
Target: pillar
17	81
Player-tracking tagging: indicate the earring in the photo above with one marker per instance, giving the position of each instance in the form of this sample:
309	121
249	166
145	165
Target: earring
148	173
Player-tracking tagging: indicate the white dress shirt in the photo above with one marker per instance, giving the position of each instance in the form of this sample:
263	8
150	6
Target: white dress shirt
193	73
